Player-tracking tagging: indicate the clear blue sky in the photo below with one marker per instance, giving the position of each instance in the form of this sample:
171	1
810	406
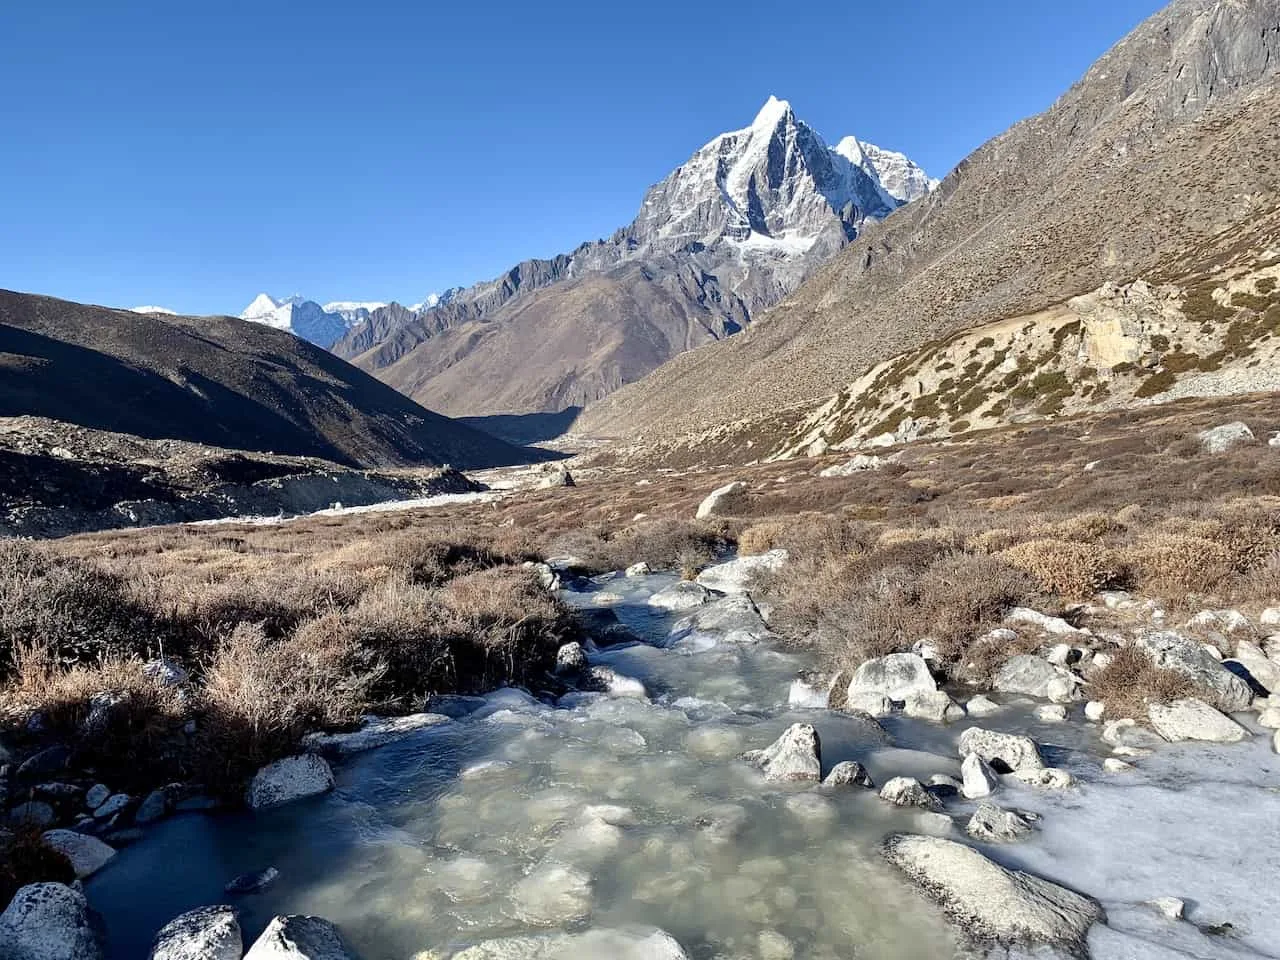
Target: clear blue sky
193	154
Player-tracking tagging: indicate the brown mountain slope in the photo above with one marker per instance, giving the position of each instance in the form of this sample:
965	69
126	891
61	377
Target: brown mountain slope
1171	138
216	381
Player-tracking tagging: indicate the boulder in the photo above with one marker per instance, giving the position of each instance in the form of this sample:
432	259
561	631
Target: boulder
733	619
734	576
796	755
374	732
909	792
96	796
546	574
153	808
1051	713
86	854
112	805
1270	617
1094	711
722	501
979	778
1223	438
1192	719
1172	651
894	676
1033	677
292	778
1171	908
1006	752
1116	765
990	902
859	464
849	773
556	478
571	658
992	824
48	921
936	706
1222	621
684	595
640	569
45	764
207	933
298	937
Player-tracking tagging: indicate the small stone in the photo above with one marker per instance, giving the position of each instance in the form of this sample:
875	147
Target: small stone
167	673
96	796
1050	778
982	706
571	658
936	706
254	882
1094	710
1116	765
979	777
290	779
111	806
1270	617
1170	907
774	946
640	569
796	755
1270	718
153	808
849	773
909	792
994	824
1051	713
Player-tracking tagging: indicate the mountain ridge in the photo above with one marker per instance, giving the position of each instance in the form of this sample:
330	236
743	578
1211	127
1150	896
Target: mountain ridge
730	231
1167	140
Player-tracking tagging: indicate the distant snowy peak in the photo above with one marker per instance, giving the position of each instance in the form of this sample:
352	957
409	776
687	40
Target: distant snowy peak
151	309
899	177
299	316
354	312
432	300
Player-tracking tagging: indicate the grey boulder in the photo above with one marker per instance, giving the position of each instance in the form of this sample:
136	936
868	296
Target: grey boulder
374	732
989	902
1006	752
849	773
909	792
734	576
1172	651
1034	677
297	937
796	755
48	921
207	933
895	676
86	854
292	778
1223	438
1192	719
992	824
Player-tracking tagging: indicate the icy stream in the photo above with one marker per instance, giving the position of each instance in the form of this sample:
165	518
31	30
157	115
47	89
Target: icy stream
626	813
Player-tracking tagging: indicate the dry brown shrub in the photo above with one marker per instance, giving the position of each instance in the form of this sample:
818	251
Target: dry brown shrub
1131	515
810	535
1169	565
1085	527
664	544
71	608
260	696
1132	681
25	858
993	541
1072	570
112	713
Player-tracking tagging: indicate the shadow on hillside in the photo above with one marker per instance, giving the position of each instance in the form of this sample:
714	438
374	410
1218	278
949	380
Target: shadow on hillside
525	428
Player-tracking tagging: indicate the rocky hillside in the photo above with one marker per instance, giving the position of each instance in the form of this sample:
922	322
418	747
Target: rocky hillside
727	234
216	381
1169	141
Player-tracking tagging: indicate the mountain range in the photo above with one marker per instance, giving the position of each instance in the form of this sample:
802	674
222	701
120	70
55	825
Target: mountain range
728	233
1161	163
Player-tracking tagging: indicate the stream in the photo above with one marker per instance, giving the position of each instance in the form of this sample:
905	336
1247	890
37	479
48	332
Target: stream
621	814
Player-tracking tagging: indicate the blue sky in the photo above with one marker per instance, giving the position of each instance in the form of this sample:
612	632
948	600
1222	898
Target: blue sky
194	154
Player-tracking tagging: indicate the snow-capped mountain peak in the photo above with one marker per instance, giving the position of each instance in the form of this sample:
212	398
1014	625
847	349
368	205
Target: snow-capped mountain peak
153	309
299	316
773	113
900	177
